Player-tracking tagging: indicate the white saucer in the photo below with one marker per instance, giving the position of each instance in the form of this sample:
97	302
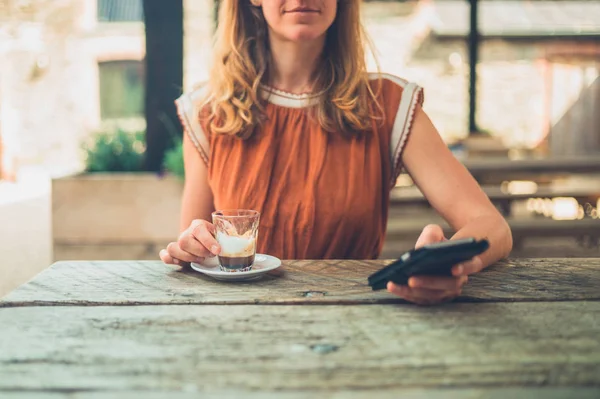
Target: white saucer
262	264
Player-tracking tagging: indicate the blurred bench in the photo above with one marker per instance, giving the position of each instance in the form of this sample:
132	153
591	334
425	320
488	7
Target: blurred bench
503	199
587	231
494	170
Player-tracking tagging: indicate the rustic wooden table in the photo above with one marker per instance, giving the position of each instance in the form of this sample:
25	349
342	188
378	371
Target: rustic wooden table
523	328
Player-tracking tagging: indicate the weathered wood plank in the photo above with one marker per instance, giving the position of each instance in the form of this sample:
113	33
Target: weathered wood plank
147	282
273	348
392	393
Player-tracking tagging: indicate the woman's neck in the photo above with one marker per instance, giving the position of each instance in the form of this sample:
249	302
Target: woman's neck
294	64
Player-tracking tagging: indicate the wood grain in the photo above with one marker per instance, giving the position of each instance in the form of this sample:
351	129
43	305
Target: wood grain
392	393
301	282
274	348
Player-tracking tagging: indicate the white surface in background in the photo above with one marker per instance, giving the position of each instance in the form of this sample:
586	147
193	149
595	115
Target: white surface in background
25	228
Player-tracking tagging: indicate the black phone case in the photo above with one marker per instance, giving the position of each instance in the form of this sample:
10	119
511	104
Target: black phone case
435	259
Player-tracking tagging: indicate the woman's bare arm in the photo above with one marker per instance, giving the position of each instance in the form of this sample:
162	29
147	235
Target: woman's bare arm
457	197
197	200
196	240
453	191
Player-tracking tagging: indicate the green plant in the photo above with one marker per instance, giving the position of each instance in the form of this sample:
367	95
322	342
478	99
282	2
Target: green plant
115	151
173	158
173	162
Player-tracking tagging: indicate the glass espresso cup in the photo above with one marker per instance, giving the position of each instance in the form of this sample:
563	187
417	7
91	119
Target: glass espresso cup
236	232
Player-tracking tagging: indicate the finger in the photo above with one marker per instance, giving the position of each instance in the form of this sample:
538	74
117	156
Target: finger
196	223
421	293
204	234
400	290
191	245
169	260
433	295
475	265
431	301
421	296
165	257
179	254
437	282
432	233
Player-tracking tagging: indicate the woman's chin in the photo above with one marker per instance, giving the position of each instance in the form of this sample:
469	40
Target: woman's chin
303	34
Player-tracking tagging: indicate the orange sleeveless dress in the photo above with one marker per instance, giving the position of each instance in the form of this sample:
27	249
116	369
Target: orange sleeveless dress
320	195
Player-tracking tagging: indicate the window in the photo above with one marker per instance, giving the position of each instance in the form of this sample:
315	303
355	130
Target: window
120	11
122	89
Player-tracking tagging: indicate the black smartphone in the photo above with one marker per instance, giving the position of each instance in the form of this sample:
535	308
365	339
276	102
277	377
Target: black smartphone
433	260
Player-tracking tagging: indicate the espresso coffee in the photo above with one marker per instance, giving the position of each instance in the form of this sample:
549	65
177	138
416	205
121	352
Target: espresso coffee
237	253
236	263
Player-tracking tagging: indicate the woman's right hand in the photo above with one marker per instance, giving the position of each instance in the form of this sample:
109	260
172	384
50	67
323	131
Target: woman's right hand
195	244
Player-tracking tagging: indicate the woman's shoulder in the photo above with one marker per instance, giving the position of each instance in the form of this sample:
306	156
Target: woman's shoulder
194	96
388	78
400	99
189	106
393	87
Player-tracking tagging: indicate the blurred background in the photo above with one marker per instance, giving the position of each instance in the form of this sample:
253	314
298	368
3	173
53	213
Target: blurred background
90	156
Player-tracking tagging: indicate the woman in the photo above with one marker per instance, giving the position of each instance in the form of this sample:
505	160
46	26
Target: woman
292	125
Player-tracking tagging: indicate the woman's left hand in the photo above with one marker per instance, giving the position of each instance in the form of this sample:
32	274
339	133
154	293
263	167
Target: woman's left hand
430	290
